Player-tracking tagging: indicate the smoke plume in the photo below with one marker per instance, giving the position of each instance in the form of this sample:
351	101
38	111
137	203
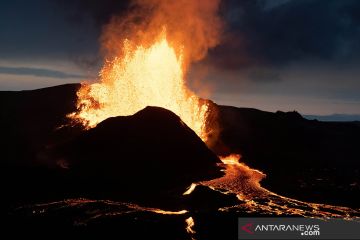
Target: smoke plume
192	27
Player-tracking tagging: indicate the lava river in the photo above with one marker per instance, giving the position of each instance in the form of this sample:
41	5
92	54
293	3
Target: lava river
243	181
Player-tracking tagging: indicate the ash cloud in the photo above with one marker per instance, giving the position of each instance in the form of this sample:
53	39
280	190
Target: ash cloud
194	24
192	27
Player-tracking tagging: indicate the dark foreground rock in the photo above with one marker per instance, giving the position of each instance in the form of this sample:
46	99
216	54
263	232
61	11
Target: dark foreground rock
148	155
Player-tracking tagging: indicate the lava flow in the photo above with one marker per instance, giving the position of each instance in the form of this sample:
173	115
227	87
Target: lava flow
238	178
244	181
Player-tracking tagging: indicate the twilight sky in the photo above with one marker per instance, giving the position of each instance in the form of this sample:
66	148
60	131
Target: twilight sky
275	54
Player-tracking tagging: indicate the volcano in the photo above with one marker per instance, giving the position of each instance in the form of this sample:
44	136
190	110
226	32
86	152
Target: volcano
139	166
140	157
36	135
146	154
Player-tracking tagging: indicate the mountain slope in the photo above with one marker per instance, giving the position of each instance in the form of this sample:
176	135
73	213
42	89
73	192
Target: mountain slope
305	159
149	153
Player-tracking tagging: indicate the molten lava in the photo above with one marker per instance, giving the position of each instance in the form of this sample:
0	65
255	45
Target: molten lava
150	76
239	179
148	52
190	224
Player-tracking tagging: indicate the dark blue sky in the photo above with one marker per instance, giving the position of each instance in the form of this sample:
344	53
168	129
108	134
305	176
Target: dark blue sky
275	54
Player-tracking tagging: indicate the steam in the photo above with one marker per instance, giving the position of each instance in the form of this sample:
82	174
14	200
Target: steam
192	27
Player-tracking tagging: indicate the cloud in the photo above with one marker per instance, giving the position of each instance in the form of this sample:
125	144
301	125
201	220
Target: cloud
268	33
270	4
264	75
38	72
99	11
38	29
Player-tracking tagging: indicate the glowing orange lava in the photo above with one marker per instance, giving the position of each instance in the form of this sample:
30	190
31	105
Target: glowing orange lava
238	178
150	76
190	224
244	181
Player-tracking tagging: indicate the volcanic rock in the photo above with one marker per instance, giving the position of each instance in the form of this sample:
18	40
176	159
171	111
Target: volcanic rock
149	154
204	199
31	120
305	159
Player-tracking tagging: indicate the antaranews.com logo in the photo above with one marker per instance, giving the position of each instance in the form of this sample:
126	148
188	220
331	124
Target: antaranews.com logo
304	230
297	228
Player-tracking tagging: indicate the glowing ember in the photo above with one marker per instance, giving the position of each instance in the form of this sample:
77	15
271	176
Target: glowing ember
190	189
232	159
190	224
143	77
159	211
